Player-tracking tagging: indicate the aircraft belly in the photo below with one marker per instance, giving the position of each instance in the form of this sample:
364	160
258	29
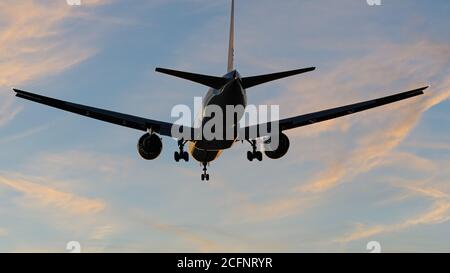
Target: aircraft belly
204	156
214	144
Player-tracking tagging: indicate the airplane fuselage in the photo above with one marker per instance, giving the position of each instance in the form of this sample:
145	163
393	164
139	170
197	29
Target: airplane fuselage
232	94
217	133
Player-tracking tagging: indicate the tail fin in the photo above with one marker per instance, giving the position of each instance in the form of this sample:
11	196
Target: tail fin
248	82
231	45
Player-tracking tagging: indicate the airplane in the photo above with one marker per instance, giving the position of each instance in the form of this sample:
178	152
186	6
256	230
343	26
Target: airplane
230	89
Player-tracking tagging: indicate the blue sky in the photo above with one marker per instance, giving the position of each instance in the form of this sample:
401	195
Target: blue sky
380	175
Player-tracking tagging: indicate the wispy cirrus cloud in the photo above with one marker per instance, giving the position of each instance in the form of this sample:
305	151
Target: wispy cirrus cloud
373	135
211	240
3	232
36	195
79	161
266	210
438	213
34	43
30	41
375	147
202	243
384	129
101	232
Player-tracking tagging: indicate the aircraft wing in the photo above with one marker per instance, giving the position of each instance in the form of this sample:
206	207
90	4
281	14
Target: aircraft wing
125	120
308	119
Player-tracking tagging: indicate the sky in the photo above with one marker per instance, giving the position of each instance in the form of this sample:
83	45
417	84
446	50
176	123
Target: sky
381	175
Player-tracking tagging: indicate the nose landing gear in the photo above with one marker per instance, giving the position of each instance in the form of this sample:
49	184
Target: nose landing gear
254	154
205	175
181	154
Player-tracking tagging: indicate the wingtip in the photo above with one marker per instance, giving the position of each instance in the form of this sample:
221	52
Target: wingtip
20	93
307	69
423	89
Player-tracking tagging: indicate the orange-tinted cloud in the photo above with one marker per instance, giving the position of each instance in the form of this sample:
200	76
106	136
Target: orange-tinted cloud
203	244
385	129
37	195
3	232
33	44
380	131
438	213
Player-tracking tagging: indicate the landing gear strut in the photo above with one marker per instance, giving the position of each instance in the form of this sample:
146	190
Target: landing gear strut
181	154
205	175
254	154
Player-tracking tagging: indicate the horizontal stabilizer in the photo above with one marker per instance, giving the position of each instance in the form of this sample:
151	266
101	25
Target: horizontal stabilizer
257	80
210	81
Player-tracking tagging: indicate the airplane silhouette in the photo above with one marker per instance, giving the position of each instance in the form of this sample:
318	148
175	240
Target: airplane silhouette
229	89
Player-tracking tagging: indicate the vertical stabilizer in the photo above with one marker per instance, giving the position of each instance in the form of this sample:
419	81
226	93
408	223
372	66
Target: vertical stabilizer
231	45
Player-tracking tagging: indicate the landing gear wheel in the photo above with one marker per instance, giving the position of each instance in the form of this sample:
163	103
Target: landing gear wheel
254	154
205	175
181	154
250	156
185	156
258	155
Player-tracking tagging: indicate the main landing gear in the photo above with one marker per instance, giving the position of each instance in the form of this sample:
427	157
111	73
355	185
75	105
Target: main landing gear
254	154
205	175
181	154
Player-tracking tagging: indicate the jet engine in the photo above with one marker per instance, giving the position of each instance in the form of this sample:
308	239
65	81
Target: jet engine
281	150
149	146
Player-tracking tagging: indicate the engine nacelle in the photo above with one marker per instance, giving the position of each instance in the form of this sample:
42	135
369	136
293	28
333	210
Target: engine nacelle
149	146
281	150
